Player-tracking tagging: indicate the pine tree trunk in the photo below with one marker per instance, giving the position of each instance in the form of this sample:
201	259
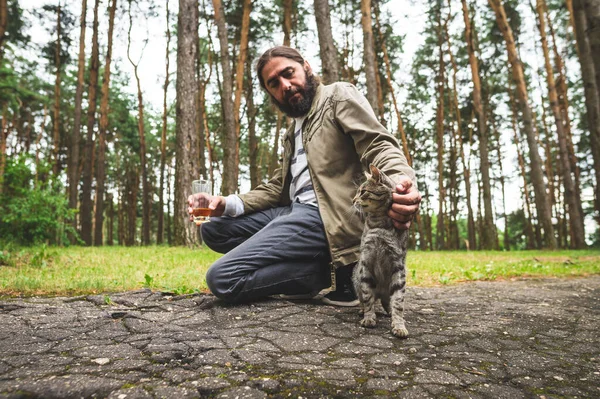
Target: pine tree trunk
440	236
389	77
57	84
252	139
111	220
3	25
76	134
488	238
573	201
592	12
142	133
163	141
288	5
369	55
230	168
328	51
88	155
186	150
102	131
239	78
592	97
541	197
530	239
163	137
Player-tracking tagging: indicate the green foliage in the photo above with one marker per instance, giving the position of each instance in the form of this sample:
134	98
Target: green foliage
33	212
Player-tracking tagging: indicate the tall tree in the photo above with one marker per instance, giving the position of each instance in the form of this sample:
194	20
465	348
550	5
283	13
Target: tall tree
389	77
369	55
86	188
327	49
591	90
253	148
439	128
488	238
57	85
3	24
592	12
239	79
163	136
76	133
103	129
142	133
541	197
186	151
229	184
573	201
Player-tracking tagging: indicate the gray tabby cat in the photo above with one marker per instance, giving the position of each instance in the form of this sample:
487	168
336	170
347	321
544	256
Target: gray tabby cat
381	270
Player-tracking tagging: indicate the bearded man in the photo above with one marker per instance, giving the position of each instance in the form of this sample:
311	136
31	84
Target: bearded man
298	234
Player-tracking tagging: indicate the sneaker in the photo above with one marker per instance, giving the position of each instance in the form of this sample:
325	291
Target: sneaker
344	294
346	298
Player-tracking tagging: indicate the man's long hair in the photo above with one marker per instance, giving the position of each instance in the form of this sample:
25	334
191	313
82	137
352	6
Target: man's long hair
277	51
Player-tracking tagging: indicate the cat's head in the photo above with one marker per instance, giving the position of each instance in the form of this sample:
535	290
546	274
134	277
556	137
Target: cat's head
375	194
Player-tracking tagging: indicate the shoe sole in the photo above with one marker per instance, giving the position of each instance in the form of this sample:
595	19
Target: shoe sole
347	304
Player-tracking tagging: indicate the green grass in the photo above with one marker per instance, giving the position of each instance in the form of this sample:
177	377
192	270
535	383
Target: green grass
79	270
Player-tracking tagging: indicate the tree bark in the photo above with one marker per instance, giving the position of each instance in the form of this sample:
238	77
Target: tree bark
57	84
488	238
86	190
141	131
327	49
287	21
252	139
440	239
541	197
230	168
576	221
530	239
239	79
388	70
76	134
369	55
186	151
103	130
592	97
163	137
3	24
592	12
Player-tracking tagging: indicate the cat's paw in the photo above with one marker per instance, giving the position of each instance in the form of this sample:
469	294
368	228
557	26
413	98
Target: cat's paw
368	322
400	331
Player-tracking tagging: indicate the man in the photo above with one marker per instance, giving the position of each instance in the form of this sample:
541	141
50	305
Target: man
289	235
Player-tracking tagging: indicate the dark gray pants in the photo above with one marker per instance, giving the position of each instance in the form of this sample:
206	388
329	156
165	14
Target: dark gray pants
276	251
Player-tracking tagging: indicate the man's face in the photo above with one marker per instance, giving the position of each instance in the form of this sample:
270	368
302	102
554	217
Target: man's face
291	85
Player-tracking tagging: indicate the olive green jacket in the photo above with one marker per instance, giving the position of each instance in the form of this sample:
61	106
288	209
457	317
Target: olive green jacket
341	136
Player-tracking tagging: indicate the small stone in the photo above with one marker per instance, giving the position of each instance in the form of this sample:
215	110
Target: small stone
558	378
101	361
412	350
122	396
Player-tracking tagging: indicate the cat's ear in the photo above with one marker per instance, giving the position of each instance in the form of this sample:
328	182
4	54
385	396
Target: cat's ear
375	174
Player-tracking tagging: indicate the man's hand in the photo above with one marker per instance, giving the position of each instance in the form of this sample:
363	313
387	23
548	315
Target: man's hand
405	204
216	204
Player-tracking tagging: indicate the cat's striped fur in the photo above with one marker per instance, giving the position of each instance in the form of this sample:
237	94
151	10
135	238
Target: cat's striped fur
381	270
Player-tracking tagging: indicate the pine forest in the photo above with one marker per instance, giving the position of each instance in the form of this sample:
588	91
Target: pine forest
110	108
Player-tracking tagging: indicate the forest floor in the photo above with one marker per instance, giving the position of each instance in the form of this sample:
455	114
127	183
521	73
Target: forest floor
531	338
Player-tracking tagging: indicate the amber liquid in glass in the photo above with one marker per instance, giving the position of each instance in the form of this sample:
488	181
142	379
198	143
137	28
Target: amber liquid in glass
201	215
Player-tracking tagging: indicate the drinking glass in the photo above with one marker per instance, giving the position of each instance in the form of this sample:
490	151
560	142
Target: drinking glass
201	212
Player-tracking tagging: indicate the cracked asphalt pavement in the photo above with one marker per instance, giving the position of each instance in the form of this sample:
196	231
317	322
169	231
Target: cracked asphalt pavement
516	339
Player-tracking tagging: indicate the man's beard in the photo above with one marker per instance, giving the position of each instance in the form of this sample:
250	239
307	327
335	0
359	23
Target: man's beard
302	107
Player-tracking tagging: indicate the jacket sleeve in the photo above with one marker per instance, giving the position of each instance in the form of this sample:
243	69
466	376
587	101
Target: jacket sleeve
265	196
373	143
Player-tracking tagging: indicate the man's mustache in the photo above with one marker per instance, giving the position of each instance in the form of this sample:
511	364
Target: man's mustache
289	94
